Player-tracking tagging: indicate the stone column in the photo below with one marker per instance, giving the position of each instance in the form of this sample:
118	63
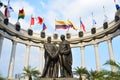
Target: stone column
111	52
41	60
82	57
83	60
1	42
27	56
12	60
97	57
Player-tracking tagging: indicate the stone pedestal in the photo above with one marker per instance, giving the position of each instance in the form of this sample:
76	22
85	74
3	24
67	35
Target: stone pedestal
49	79
58	79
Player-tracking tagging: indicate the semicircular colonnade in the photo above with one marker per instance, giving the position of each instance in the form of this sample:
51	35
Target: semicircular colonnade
22	36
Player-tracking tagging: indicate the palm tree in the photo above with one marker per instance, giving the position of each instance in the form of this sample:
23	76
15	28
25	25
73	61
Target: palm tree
80	71
94	75
116	74
30	72
97	75
113	63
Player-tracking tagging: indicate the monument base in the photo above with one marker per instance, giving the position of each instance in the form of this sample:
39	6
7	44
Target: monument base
58	79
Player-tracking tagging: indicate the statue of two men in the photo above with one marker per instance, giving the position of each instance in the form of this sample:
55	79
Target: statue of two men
55	56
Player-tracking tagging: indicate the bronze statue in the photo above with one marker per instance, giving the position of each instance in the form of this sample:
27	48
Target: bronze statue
51	60
55	62
65	58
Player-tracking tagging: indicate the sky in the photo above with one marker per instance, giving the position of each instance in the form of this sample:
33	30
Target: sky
52	10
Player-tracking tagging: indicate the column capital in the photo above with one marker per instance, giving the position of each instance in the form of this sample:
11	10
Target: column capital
109	40
27	45
95	42
96	45
82	46
14	42
1	36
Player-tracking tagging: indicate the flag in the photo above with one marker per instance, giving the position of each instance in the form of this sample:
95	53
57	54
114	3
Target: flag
40	20
104	9
116	4
94	22
44	27
105	16
70	25
61	25
6	12
82	25
8	9
21	14
37	20
32	22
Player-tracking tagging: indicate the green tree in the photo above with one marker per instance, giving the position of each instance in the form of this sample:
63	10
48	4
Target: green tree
113	75
30	72
97	75
80	71
113	63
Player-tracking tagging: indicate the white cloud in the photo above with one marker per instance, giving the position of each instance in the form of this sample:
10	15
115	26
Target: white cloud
63	10
68	9
23	4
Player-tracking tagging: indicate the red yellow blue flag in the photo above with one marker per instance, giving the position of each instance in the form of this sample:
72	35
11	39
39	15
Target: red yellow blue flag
61	25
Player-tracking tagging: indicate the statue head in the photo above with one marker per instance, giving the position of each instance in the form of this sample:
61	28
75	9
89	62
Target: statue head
62	37
49	39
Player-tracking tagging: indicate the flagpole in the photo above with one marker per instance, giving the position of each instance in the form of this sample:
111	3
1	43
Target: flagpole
105	16
68	26
93	25
80	25
92	19
42	25
68	30
30	21
55	25
104	11
8	1
18	16
92	16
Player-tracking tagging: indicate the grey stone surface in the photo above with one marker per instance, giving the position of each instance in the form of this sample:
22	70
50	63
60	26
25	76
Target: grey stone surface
58	79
